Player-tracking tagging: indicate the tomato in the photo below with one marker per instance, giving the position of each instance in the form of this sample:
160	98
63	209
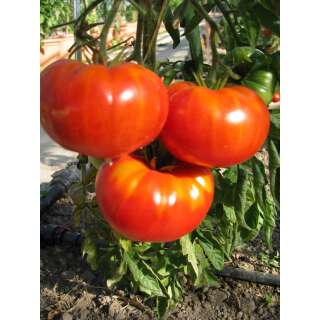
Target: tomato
144	204
178	86
276	97
266	32
262	82
215	128
102	112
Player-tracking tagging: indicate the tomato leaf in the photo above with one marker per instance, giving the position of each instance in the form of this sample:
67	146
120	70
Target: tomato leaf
118	275
254	219
275	124
230	213
188	250
259	181
146	280
89	250
274	169
173	32
214	255
243	184
205	276
250	22
267	18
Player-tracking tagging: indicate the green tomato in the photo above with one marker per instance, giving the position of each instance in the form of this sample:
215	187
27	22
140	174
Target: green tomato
263	83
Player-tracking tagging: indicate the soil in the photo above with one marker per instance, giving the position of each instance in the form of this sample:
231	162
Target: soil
70	290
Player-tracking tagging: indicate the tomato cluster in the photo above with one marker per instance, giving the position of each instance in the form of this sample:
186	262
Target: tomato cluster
111	112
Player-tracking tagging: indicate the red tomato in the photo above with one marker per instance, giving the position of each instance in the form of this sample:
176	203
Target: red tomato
215	128
178	86
148	205
102	112
276	97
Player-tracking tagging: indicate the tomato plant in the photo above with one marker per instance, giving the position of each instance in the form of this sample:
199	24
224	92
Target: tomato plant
96	120
213	113
215	128
149	205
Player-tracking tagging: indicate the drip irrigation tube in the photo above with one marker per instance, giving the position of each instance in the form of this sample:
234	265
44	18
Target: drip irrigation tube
51	234
61	181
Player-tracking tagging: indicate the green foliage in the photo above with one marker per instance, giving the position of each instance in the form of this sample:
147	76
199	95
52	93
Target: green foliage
53	12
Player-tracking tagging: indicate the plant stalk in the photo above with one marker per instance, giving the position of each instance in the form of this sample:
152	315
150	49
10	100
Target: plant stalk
105	30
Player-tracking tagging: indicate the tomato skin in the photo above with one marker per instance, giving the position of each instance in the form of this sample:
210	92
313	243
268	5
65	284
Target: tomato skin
102	112
178	86
156	206
215	128
276	97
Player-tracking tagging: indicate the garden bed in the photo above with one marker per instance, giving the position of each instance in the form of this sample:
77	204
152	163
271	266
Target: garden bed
70	290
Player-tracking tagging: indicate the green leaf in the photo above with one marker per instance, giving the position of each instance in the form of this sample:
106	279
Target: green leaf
90	250
162	307
250	22
146	281
174	32
275	124
214	255
270	219
205	276
118	275
230	213
253	217
267	18
243	184
188	250
259	181
274	169
194	21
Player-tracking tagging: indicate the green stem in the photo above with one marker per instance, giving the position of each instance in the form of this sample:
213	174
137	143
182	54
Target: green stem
153	39
202	11
226	15
105	29
136	54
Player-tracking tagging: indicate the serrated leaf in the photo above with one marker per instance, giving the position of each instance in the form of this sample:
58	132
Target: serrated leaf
214	255
254	219
188	250
169	25
205	276
146	281
120	272
274	166
162	307
250	22
243	184
275	124
89	250
259	181
230	213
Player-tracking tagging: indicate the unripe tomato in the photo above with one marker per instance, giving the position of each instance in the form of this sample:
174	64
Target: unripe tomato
276	97
215	128
178	86
148	205
102	112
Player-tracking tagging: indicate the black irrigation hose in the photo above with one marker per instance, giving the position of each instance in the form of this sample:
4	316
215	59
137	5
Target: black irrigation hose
252	276
59	184
53	234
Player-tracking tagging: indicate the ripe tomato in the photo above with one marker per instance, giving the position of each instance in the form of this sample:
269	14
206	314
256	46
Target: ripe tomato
178	86
215	128
276	97
148	205
102	112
